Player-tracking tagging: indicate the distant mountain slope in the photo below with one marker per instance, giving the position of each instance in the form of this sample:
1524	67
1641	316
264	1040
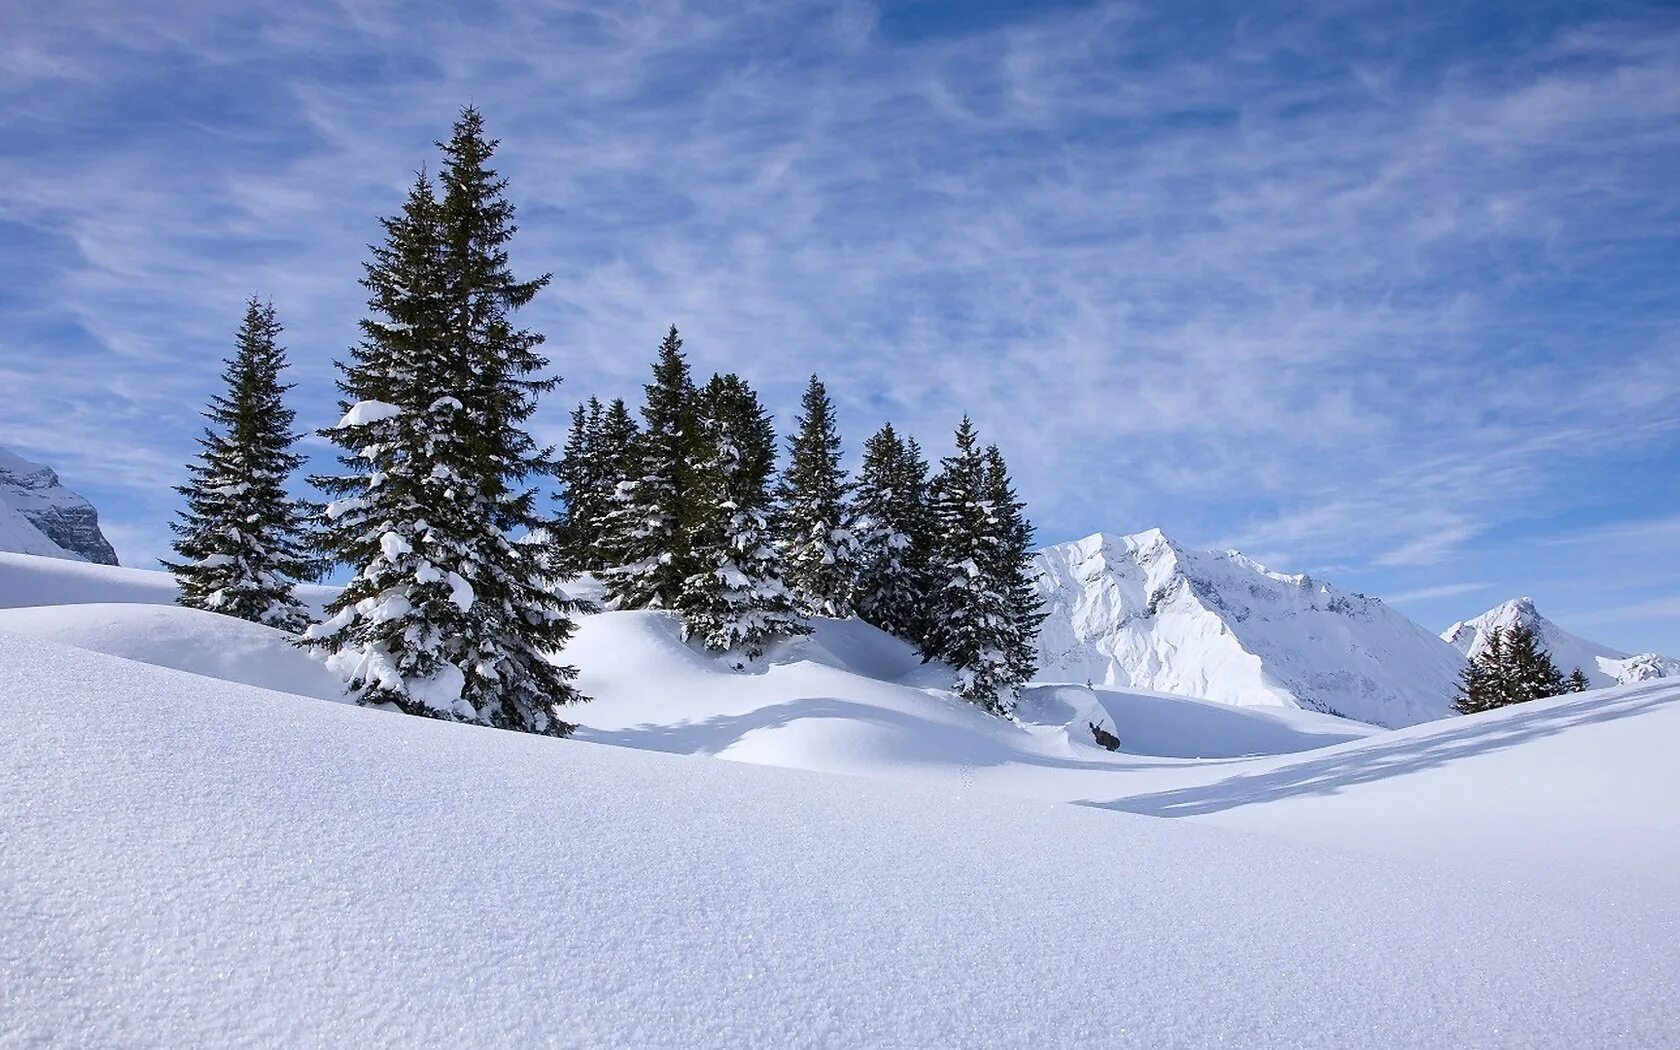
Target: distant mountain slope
1602	665
1143	612
32	492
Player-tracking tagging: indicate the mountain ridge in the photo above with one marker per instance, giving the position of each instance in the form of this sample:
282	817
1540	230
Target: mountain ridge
1604	666
39	515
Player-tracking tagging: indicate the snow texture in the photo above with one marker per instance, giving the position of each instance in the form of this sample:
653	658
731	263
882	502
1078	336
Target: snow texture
1602	665
35	581
188	862
1142	612
38	515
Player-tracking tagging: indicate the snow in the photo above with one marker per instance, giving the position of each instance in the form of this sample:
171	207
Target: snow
196	849
1143	612
18	534
34	581
364	412
189	862
203	643
1602	665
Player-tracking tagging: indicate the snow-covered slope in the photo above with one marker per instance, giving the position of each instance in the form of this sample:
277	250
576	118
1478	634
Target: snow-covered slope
65	520
27	581
1601	664
192	640
1143	612
188	862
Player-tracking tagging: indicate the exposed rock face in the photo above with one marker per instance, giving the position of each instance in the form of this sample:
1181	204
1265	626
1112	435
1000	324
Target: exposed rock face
1143	612
33	493
1602	665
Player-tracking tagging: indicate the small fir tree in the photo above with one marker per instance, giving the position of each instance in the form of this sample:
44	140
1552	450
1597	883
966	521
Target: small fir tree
243	541
1578	681
820	550
892	530
647	529
735	599
577	533
1511	668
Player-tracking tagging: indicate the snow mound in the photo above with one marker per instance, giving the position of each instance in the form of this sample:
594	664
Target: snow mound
1602	665
1142	612
193	640
849	698
27	581
190	862
34	501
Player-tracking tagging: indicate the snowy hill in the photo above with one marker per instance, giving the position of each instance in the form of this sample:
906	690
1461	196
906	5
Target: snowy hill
187	861
27	581
1602	665
38	515
1143	612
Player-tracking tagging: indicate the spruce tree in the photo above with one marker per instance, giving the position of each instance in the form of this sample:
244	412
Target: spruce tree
577	534
1511	668
971	620
735	599
243	540
892	530
1578	681
1012	573
820	550
647	528
447	616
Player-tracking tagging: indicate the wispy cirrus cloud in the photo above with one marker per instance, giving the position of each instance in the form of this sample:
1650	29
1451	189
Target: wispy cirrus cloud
1338	284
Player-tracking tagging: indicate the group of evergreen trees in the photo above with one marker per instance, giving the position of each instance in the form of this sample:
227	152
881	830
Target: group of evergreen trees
1512	669
680	514
454	608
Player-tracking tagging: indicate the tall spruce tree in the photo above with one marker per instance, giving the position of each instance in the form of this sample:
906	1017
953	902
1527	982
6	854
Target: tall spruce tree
814	520
647	529
971	625
1012	571
448	616
892	529
242	539
735	600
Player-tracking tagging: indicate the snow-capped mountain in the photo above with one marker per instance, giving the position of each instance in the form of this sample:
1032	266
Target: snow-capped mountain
1602	665
38	515
1142	611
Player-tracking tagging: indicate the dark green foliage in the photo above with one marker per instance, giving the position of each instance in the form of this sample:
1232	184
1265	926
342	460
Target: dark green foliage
984	614
1012	571
735	599
243	540
447	615
647	528
1511	669
894	534
819	548
1577	682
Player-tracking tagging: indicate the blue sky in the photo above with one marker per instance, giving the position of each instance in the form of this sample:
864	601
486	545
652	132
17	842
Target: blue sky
1385	293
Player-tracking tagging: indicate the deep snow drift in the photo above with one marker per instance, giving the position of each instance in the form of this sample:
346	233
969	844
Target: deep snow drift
1601	664
184	861
1143	612
38	515
27	581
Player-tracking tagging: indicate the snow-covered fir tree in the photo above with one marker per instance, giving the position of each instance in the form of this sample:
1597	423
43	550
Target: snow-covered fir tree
892	528
243	540
978	620
446	616
577	532
647	528
814	516
1013	570
1577	682
735	601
